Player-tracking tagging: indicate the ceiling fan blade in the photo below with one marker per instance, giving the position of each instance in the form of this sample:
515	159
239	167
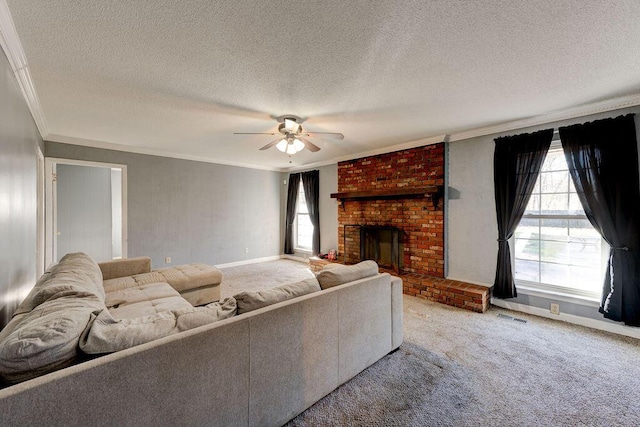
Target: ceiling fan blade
291	125
309	145
255	133
271	144
333	135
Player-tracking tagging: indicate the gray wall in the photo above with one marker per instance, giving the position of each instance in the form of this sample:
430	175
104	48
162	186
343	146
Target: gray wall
84	211
193	211
328	207
472	231
19	139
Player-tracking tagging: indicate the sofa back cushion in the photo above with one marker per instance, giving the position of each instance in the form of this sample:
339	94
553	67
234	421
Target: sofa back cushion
253	300
125	267
76	273
46	327
338	274
46	338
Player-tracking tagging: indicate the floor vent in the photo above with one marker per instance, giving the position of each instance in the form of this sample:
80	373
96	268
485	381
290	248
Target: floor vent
504	316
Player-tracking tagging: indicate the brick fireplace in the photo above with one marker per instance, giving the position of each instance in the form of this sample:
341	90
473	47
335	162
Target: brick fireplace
419	215
402	190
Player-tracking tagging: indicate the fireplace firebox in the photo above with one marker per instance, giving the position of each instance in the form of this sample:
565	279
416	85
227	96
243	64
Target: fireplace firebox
382	244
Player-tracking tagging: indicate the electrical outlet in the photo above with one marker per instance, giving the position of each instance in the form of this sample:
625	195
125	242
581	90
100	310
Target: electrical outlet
246	250
554	308
167	260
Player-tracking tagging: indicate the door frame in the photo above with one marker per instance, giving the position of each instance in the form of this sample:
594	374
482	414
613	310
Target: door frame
51	203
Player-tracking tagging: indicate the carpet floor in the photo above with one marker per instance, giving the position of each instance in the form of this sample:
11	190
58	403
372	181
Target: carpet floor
458	368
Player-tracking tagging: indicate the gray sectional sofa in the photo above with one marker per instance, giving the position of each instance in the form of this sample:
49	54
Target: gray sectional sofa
261	367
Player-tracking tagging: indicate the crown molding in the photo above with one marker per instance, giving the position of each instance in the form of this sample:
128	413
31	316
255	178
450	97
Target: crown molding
565	114
152	152
17	60
390	149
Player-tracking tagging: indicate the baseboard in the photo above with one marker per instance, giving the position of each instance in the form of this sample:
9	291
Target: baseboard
295	258
249	261
628	331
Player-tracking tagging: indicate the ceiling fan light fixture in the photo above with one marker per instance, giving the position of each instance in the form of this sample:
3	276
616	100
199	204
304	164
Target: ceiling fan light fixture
298	145
291	148
282	145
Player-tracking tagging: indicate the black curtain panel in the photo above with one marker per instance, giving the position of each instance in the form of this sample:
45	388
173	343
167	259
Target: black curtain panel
292	199
603	163
516	165
311	185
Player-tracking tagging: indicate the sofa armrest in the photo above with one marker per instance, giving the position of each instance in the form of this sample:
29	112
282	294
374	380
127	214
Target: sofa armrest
125	267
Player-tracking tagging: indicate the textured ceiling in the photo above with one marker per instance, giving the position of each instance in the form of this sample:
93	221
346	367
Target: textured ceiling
181	76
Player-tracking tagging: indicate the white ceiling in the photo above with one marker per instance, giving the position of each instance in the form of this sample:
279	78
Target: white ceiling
179	77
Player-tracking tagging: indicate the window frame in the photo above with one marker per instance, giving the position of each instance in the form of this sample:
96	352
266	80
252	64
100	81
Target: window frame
547	288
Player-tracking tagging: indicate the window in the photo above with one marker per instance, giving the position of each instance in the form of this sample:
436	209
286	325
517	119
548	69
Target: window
304	228
556	248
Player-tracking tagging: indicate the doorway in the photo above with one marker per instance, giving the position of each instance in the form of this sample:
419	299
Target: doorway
86	209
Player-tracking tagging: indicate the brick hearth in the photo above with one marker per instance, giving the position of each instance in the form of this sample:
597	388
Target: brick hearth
420	218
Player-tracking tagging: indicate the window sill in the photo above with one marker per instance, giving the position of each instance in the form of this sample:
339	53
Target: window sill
303	250
532	289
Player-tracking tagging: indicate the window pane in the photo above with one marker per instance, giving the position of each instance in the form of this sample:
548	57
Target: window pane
554	251
554	229
303	224
554	274
555	160
527	270
554	204
582	228
589	279
305	231
302	201
575	207
528	229
533	207
554	182
527	249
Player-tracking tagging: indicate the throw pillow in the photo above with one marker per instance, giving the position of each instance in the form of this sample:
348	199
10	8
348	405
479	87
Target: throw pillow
337	274
253	300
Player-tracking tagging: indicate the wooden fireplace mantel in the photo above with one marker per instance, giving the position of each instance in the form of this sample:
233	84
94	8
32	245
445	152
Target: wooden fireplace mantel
433	192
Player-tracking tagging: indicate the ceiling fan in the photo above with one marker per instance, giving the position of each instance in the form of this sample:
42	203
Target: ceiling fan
292	138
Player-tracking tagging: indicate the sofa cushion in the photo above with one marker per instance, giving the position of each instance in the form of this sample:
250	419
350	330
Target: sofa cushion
190	276
182	278
199	316
107	334
119	283
131	295
338	274
76	272
47	337
253	300
146	308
